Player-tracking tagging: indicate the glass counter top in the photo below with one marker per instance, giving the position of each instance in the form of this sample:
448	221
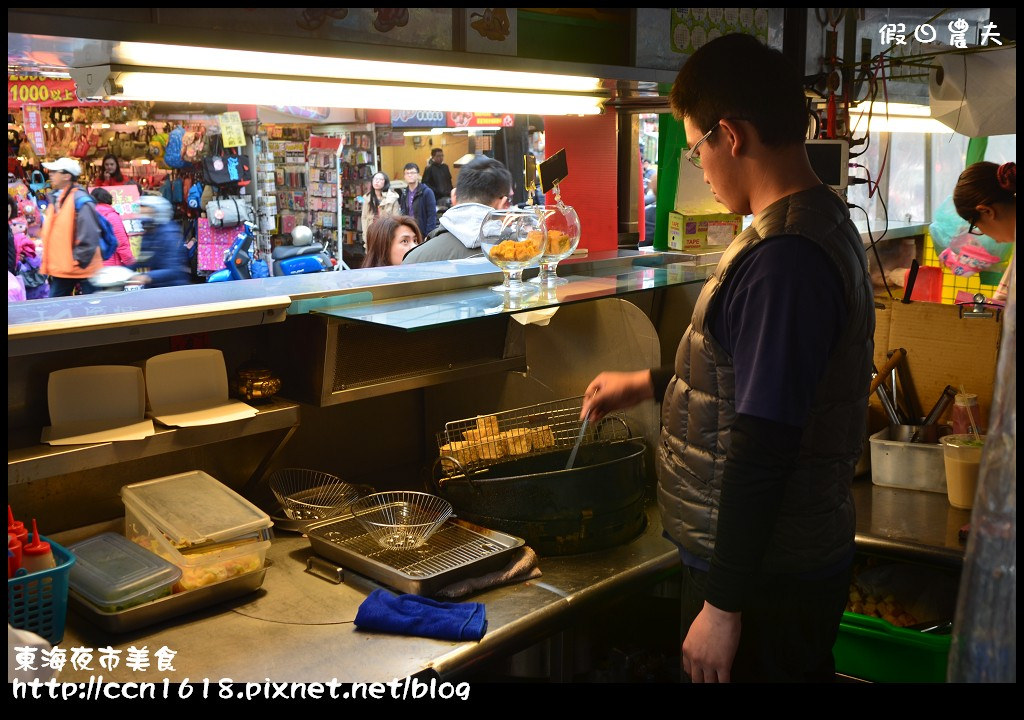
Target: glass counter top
106	317
434	309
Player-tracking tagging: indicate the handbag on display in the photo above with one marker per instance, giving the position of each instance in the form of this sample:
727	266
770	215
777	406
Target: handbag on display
31	276
227	212
212	243
223	167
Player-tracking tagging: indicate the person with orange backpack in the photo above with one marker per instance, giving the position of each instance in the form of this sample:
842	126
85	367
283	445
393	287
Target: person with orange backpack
71	232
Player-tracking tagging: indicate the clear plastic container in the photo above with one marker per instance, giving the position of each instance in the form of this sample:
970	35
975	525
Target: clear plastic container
114	573
199	524
914	466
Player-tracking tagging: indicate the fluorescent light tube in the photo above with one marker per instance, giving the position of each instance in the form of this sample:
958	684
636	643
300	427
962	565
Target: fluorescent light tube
200	88
250	62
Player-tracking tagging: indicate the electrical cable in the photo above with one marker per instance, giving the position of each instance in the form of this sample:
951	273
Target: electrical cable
872	243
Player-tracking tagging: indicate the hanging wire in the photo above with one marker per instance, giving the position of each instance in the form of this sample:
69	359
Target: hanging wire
873	244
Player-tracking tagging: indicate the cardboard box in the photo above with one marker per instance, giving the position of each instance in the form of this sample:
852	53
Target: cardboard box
942	349
701	232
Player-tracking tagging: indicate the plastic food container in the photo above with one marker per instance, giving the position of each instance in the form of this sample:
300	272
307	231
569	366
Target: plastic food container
871	649
915	466
199	524
113	573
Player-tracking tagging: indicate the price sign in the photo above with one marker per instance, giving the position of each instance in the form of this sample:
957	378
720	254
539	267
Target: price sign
231	129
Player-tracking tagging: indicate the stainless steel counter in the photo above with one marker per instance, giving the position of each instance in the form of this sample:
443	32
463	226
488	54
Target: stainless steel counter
909	524
299	627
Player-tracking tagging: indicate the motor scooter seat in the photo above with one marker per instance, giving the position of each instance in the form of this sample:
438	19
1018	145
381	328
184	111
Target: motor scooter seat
286	251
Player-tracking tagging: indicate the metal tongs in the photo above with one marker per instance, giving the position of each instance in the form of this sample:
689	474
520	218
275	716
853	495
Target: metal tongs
579	439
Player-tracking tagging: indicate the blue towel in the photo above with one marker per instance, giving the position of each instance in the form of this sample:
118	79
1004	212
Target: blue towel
415	615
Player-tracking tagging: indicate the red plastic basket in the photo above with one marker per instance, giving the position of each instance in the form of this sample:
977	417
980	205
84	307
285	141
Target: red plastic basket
38	601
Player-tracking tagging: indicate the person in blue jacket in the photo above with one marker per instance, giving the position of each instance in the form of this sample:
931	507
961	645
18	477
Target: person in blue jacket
162	260
418	200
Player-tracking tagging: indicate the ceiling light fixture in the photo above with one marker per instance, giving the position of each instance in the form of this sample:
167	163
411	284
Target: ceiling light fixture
895	118
310	66
161	85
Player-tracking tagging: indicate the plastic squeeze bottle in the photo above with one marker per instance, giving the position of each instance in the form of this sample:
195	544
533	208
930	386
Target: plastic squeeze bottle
965	409
13	555
37	555
16	527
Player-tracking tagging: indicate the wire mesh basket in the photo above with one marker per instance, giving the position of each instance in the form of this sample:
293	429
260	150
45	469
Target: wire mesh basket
401	520
470	445
38	601
310	494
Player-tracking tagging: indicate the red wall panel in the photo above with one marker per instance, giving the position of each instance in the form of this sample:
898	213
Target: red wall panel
591	188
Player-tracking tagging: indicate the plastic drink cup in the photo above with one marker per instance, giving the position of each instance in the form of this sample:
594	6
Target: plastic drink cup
962	456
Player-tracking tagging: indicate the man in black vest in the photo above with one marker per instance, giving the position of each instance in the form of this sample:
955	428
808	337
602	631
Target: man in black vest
764	410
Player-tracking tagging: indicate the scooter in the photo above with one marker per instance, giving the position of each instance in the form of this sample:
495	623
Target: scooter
285	259
236	257
302	256
299	259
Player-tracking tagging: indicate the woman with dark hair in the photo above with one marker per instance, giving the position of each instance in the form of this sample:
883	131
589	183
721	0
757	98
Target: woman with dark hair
381	200
110	172
389	238
123	256
986	197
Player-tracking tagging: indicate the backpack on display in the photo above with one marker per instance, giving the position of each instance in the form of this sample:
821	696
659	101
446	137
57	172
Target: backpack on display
172	152
195	196
157	148
193	144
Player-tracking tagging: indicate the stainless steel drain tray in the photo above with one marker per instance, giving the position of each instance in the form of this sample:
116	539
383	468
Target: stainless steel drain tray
458	550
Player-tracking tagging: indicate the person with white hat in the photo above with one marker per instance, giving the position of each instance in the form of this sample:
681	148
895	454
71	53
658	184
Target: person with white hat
71	232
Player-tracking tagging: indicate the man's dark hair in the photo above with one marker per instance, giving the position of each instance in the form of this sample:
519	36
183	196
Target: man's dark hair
483	181
736	76
412	166
435	151
101	196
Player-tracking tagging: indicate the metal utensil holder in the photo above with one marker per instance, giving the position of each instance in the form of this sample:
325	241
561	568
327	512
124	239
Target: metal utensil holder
467	447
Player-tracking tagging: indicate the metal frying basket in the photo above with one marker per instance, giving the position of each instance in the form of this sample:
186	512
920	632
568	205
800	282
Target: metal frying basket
471	445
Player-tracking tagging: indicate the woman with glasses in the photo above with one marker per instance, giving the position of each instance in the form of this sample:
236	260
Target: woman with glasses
986	197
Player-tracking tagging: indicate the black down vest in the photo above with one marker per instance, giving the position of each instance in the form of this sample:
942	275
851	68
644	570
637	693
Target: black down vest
815	527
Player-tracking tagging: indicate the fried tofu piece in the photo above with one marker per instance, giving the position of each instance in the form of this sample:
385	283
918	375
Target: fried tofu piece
487	425
463	452
476	435
491	449
517	441
541	437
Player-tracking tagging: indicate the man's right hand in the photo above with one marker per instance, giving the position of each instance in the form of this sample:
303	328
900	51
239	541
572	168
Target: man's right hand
611	391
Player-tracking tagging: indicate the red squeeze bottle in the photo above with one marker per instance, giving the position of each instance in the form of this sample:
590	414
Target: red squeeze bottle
13	555
36	555
16	527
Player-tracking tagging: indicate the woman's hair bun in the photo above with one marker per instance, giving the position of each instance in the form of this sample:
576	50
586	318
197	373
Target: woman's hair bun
1006	175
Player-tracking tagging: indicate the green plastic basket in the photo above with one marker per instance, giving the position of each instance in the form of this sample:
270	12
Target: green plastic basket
38	601
872	649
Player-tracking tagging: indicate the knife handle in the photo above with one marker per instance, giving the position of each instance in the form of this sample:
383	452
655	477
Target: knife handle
890	365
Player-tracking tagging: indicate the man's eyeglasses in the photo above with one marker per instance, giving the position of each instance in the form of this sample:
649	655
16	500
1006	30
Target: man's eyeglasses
973	229
691	156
